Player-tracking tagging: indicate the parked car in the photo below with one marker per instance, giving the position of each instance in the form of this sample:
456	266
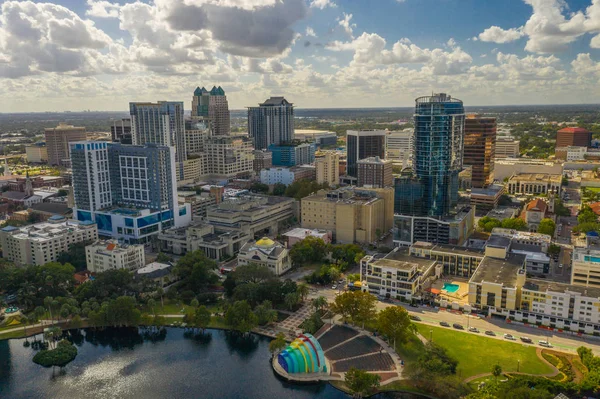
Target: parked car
334	287
458	326
526	340
414	317
490	333
545	343
474	329
509	337
444	324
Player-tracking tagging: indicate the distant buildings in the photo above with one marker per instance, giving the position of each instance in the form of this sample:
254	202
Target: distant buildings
277	176
375	172
262	160
268	253
534	183
299	234
196	133
57	142
120	131
212	106
110	255
327	165
400	146
352	214
507	148
363	144
573	136
480	149
40	243
272	122
129	191
229	156
37	153
292	153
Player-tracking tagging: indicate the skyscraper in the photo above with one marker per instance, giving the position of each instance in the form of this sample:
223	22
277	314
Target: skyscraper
363	144
57	142
212	105
120	131
438	155
272	122
159	123
480	149
327	166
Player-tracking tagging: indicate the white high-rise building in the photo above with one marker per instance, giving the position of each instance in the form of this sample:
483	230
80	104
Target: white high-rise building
400	146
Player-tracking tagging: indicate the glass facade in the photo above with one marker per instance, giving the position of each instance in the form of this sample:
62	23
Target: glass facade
361	145
438	151
480	149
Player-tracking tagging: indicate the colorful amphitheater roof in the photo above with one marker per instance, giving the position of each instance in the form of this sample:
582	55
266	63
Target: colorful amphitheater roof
303	355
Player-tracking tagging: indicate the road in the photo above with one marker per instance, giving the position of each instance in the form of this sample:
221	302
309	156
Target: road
560	341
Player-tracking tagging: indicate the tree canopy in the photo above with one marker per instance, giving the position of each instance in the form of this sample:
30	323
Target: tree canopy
240	317
547	226
360	382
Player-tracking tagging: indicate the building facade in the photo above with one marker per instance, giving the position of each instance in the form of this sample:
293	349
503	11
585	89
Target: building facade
400	146
327	167
507	148
57	142
37	153
120	131
277	176
361	144
196	133
573	136
268	253
229	156
586	267
292	154
375	172
452	229
212	105
262	160
535	183
110	255
272	122
480	149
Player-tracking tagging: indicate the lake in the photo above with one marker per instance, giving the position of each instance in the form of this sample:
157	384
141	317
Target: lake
118	363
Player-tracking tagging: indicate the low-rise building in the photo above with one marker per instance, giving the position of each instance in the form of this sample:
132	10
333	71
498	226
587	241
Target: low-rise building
536	211
292	154
586	267
277	176
40	243
375	172
487	198
263	159
161	273
298	234
266	252
507	148
534	183
523	240
452	229
110	255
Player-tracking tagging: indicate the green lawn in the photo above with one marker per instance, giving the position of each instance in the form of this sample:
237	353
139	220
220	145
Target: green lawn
477	354
593	189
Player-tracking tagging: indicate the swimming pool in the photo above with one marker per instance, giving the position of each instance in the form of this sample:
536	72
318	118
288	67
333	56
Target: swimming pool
451	288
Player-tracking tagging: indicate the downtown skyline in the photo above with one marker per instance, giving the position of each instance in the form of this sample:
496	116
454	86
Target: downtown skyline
101	55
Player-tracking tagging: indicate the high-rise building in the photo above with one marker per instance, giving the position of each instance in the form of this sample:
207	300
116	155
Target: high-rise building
57	142
159	123
480	149
375	172
130	191
120	131
262	160
272	122
196	133
293	153
400	146
573	136
363	144
327	166
438	156
212	105
37	153
229	156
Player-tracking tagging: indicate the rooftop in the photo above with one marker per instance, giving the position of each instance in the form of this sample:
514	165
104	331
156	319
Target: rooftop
303	233
573	130
541	177
274	101
457	250
500	271
498	241
46	230
402	259
375	160
492	190
551	286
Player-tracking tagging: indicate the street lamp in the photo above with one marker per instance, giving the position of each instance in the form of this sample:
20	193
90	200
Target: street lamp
518	365
430	335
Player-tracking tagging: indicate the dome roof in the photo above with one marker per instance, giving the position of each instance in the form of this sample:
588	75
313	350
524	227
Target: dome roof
265	242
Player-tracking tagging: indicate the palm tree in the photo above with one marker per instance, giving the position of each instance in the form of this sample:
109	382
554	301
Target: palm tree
319	303
39	312
303	290
291	300
48	304
152	304
194	303
161	292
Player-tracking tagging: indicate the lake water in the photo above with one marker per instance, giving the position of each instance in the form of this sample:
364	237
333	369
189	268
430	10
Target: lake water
127	364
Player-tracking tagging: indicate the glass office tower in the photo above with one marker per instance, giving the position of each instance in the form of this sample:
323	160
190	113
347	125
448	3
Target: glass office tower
438	151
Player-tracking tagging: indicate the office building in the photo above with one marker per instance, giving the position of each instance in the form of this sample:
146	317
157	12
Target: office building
110	255
277	176
292	153
480	149
353	214
40	243
438	143
120	131
37	153
191	170
128	190
319	137
534	183
452	229
400	146
262	160
229	156
196	133
586	267
507	148
159	123
573	136
361	144
375	172
268	253
327	165
57	142
272	122
213	106
487	198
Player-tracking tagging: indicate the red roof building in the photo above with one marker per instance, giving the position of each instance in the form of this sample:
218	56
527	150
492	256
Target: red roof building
573	136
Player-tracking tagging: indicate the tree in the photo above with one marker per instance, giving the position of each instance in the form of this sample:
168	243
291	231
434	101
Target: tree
161	293
75	255
252	273
195	271
553	249
261	188
496	370
487	223
291	300
303	290
586	215
48	304
515	224
395	323
24	321
278	344
547	226
265	313
194	303
361	383
279	189
309	250
560	209
152	305
202	317
319	303
357	306
52	334
240	317
39	312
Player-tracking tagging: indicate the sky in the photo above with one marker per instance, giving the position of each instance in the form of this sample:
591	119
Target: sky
100	55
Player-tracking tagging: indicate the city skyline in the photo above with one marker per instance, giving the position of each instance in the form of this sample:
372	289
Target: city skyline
101	55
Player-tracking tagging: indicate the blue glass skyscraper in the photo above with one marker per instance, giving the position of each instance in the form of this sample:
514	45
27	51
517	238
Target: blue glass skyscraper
438	151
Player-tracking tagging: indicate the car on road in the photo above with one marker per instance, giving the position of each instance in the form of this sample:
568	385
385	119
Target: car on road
444	324
527	340
474	329
458	326
545	343
414	317
334	287
490	333
509	337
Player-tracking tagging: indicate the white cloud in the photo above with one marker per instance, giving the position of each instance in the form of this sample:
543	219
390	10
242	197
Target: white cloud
346	25
498	35
102	9
310	32
322	4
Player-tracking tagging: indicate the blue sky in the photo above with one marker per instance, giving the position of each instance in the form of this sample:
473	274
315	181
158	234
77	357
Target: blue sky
99	54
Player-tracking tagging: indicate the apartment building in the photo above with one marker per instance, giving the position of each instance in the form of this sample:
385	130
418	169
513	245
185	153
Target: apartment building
229	156
57	142
327	165
40	243
110	255
585	271
375	172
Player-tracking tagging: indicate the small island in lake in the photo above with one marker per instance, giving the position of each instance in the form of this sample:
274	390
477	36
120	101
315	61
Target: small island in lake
64	353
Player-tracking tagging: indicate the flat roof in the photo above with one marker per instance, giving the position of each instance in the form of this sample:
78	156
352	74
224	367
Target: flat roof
552	286
537	176
498	241
457	250
402	258
499	271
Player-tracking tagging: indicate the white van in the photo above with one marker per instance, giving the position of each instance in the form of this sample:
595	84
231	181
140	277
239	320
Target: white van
544	343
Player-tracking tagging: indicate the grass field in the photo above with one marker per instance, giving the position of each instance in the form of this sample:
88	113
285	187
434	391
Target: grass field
477	354
593	189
